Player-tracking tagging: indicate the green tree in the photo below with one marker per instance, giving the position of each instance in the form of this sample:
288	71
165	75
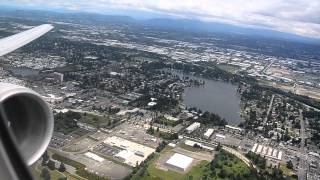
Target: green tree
218	148
43	162
51	165
45	174
45	156
222	174
290	164
62	168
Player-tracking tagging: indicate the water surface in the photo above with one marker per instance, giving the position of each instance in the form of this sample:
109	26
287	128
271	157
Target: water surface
217	97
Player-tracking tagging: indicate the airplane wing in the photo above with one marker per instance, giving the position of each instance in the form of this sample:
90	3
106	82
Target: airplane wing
13	164
11	43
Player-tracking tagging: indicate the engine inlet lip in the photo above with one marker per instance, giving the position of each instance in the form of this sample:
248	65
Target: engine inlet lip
12	91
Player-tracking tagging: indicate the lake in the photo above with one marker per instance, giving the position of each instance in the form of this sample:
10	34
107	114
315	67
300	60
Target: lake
217	97
23	71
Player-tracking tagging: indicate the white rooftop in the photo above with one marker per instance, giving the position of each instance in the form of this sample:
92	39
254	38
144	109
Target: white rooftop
267	151
180	161
131	149
208	132
125	154
152	103
94	156
171	118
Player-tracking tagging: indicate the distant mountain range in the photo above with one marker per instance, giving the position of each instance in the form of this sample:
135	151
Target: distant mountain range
164	23
194	25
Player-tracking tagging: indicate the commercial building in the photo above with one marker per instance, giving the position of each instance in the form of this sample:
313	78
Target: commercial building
220	136
267	151
124	155
170	118
132	153
236	129
179	162
52	99
208	133
193	143
193	127
58	76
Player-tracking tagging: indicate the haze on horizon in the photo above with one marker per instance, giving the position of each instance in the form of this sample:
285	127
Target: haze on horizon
300	17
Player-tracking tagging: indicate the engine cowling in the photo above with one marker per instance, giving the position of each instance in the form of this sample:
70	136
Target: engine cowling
29	117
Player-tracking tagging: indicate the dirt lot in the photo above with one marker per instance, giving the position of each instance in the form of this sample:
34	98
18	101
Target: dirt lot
81	145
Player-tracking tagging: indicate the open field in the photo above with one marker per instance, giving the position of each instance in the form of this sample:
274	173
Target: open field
285	170
300	89
105	168
154	173
224	166
55	174
94	120
81	145
229	68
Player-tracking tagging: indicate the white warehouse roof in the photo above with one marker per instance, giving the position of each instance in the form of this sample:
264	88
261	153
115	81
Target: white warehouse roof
208	133
180	161
220	136
193	126
124	154
267	151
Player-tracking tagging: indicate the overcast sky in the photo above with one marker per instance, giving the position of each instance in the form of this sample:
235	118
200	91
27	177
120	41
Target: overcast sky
300	17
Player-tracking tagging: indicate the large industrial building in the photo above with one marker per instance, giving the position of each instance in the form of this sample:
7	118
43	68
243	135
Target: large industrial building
132	153
179	162
193	127
267	151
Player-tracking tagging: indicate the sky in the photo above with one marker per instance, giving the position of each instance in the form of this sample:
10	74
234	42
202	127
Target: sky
300	17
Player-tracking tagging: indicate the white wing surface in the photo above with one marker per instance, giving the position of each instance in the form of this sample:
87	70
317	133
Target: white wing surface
16	41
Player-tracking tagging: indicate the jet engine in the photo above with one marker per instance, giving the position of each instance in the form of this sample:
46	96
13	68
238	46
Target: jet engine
28	118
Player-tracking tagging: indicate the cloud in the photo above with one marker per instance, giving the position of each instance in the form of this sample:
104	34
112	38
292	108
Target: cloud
300	17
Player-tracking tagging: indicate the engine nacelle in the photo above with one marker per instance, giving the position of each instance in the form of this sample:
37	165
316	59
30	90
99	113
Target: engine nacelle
30	119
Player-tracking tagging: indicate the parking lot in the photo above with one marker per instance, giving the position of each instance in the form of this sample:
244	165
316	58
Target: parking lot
79	132
59	140
228	140
106	149
137	134
105	168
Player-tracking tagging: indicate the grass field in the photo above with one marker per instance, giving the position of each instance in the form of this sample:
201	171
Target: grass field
36	172
153	173
231	166
94	120
286	171
193	149
229	68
